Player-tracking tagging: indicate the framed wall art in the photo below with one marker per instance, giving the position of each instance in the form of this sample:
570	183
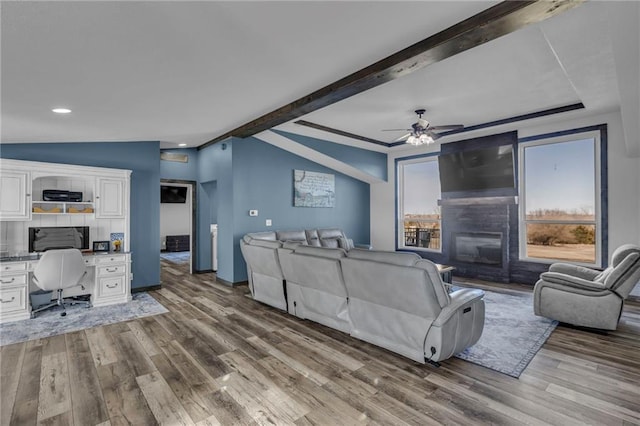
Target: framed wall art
313	189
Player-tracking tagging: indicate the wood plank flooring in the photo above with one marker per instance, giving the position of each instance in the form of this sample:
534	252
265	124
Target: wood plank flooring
219	358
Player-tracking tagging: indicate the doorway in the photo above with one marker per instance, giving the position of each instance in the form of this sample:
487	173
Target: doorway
178	205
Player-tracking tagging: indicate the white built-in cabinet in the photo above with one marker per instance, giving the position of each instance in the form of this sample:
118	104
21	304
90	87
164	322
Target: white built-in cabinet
104	209
15	194
109	198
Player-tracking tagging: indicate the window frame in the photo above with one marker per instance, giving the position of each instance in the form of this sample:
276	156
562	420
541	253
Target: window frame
400	237
597	136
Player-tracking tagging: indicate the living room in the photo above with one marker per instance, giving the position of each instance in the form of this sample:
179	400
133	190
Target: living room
553	87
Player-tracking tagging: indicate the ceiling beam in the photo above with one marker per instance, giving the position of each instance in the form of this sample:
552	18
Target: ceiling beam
499	20
340	132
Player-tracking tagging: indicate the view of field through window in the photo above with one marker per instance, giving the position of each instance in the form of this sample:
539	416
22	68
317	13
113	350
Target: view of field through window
420	209
560	200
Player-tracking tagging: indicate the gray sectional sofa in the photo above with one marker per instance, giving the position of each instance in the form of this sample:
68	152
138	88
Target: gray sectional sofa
391	299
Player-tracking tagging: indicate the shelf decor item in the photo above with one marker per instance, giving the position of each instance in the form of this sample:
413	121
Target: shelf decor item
101	246
117	239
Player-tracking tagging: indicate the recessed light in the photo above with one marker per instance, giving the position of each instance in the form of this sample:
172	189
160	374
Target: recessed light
182	144
61	110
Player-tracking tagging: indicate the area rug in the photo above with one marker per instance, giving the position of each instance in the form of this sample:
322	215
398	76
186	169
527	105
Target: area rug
49	323
178	257
512	334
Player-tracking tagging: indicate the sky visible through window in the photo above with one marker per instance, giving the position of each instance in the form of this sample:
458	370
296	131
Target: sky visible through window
561	176
421	188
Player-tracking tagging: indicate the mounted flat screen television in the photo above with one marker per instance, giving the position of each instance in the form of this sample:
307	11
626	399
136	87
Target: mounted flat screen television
173	194
57	237
486	168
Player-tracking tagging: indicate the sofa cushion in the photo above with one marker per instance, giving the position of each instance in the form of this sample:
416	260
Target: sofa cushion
330	243
622	252
266	243
292	245
267	235
320	251
312	237
291	235
393	257
330	233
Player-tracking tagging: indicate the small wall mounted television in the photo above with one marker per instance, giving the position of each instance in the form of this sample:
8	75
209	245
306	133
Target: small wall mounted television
478	169
173	194
56	237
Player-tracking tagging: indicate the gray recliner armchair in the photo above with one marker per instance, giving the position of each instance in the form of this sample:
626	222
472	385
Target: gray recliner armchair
585	297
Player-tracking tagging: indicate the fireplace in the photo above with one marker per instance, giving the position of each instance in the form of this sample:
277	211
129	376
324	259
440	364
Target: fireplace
477	247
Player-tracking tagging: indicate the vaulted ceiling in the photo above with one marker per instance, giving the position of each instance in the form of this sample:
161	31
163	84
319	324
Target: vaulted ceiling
188	72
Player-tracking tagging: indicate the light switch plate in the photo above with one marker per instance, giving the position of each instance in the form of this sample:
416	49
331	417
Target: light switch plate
268	222
253	212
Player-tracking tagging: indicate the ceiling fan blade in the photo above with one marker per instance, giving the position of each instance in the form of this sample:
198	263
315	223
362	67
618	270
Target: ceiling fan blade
402	137
395	130
447	127
434	135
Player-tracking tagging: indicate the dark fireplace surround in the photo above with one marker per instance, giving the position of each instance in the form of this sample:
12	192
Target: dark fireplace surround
476	236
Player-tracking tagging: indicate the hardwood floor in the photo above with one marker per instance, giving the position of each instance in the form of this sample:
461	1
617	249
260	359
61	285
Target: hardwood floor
218	357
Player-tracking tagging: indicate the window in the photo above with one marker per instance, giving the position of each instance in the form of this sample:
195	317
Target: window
560	202
418	209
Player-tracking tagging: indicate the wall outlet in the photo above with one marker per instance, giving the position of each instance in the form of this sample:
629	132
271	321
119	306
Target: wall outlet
268	222
253	212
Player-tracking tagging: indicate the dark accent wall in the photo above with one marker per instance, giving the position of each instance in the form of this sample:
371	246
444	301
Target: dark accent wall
143	159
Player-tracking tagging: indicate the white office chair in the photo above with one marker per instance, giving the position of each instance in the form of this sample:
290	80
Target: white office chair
57	270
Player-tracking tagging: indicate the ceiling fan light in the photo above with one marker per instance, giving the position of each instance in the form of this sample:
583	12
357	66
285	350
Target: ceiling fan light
424	138
413	140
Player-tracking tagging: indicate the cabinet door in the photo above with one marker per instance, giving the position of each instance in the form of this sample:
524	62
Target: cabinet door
15	195
110	198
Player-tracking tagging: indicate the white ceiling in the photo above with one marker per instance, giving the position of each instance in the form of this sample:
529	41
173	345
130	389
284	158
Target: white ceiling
190	71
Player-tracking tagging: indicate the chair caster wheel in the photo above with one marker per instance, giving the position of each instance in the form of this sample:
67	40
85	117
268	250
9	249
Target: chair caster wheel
64	314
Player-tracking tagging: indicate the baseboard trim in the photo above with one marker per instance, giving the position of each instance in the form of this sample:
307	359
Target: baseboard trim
230	284
147	288
203	271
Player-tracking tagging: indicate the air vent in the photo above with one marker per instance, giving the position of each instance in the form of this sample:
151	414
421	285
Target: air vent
171	156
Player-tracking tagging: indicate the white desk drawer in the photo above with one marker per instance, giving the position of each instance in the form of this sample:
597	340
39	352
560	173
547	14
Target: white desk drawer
111	286
116	258
14	266
111	270
13	280
89	260
13	299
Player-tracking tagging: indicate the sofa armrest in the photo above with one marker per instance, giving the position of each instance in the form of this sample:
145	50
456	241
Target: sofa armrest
458	298
574	270
571	281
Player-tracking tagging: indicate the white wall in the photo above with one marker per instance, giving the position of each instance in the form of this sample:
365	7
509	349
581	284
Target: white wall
175	218
623	174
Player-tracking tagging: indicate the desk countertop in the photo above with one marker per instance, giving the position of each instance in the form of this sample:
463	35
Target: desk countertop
36	256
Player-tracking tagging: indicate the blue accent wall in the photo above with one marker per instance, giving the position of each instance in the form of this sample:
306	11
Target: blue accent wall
263	180
371	162
143	159
177	170
215	189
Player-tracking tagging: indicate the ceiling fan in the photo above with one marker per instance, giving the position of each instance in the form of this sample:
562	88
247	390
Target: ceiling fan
422	132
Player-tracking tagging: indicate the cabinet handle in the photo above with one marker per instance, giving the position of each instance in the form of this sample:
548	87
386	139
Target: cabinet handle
8	301
112	270
9	282
112	286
